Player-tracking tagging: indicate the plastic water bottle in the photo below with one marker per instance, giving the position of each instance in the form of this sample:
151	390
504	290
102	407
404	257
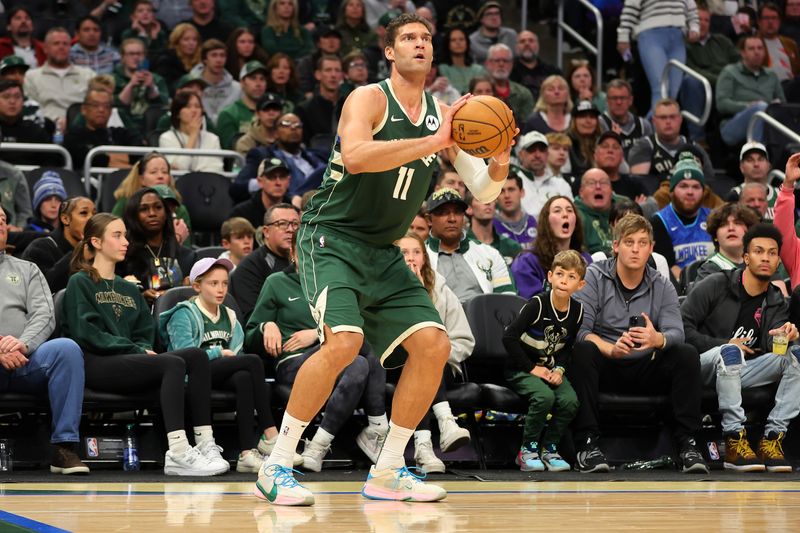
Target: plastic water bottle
58	134
130	453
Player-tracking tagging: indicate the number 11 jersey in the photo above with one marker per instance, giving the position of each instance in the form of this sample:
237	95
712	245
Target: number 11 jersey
377	207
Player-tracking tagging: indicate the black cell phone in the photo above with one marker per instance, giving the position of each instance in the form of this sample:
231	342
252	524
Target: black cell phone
636	321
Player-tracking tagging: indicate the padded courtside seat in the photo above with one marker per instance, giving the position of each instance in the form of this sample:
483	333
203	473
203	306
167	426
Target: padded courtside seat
175	295
205	195
208	251
488	315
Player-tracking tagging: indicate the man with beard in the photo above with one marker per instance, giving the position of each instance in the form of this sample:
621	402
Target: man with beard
594	202
484	228
755	167
512	221
58	83
656	154
20	41
288	148
498	65
529	70
620	119
680	228
469	266
735	316
612	355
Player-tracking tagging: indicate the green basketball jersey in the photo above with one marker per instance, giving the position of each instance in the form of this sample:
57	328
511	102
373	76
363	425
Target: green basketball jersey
378	207
216	333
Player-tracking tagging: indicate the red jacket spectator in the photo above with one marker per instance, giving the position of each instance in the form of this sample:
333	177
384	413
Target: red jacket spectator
7	49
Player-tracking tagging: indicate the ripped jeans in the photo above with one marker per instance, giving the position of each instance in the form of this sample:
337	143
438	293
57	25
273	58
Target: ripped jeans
725	366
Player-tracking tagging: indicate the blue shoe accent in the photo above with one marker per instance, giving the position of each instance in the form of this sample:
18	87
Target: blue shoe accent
552	460
731	355
528	458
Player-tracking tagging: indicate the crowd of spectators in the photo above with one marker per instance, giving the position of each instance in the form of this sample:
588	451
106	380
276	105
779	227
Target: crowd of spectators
269	79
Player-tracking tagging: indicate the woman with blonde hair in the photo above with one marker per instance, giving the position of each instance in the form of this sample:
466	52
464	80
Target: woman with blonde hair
552	110
283	32
151	171
451	435
183	53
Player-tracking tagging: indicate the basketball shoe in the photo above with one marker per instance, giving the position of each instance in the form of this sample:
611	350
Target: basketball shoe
400	484
528	458
770	451
739	455
277	485
423	454
370	441
553	460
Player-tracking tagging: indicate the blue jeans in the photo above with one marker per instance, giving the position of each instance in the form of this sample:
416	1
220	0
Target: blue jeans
692	98
656	47
56	367
734	130
763	370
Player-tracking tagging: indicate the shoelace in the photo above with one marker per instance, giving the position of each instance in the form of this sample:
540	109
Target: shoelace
742	447
772	447
405	472
284	476
594	452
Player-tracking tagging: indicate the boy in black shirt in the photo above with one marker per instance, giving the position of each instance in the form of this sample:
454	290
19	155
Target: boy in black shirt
539	343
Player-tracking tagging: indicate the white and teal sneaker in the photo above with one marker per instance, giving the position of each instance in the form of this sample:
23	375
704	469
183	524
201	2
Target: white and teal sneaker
552	460
400	484
277	485
528	458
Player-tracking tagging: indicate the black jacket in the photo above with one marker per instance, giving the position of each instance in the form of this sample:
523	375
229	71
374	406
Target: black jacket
711	309
46	251
248	278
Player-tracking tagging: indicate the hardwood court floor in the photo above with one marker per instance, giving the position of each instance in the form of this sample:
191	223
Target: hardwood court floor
471	506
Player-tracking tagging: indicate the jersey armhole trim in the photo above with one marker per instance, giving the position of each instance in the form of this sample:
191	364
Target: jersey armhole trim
382	123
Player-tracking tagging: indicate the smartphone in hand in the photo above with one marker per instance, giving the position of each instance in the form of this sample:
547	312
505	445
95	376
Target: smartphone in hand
636	321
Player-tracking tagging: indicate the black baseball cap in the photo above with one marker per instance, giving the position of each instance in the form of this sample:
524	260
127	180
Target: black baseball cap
444	196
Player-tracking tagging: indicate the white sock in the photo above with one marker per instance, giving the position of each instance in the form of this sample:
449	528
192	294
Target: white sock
379	422
288	436
178	443
442	410
394	447
323	438
202	434
422	435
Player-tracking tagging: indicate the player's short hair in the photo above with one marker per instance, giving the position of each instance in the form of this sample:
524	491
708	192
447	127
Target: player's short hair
237	227
570	260
763	230
631	223
403	20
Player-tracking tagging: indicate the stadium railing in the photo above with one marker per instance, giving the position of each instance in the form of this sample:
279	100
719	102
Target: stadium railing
38	148
596	49
709	99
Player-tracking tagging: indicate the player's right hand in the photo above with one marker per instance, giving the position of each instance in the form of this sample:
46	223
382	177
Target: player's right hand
272	339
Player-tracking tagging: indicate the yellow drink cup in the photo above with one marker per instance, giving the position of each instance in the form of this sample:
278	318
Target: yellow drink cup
779	344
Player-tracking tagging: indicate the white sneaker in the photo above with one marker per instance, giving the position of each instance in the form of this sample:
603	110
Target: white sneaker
266	446
371	440
451	435
190	463
277	485
400	484
249	462
313	454
213	453
425	458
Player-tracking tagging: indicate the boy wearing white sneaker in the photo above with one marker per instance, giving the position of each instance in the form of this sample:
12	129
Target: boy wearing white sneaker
539	342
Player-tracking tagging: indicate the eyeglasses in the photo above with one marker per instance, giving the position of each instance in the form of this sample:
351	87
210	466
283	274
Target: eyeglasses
277	176
501	60
283	225
289	124
357	65
595	183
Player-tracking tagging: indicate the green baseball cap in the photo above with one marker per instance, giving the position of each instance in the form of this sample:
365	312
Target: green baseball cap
12	62
686	168
251	67
165	193
186	79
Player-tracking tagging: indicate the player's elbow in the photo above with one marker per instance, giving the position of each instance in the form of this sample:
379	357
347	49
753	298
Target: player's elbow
353	162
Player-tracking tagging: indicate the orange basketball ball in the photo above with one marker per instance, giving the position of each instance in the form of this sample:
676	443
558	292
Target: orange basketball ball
484	126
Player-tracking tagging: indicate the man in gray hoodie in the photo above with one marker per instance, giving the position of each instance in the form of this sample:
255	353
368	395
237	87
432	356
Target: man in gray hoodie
631	341
222	90
30	363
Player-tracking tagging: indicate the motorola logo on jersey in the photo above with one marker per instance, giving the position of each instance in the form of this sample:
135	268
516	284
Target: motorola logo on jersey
432	122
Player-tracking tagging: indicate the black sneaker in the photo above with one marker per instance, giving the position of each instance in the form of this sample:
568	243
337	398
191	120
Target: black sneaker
66	460
692	460
591	459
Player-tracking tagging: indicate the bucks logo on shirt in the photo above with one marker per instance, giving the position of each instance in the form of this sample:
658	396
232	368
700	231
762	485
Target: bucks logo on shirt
378	207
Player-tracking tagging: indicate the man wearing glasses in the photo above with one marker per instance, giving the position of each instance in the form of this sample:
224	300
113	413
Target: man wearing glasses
491	31
280	223
289	148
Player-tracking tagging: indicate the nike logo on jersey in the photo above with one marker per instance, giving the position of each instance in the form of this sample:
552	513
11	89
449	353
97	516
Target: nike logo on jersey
293	299
674	228
394	119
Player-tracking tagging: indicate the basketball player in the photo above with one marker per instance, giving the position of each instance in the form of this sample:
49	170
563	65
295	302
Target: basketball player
356	281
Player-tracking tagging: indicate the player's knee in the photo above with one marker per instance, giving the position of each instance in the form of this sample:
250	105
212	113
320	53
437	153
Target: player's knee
342	348
439	347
